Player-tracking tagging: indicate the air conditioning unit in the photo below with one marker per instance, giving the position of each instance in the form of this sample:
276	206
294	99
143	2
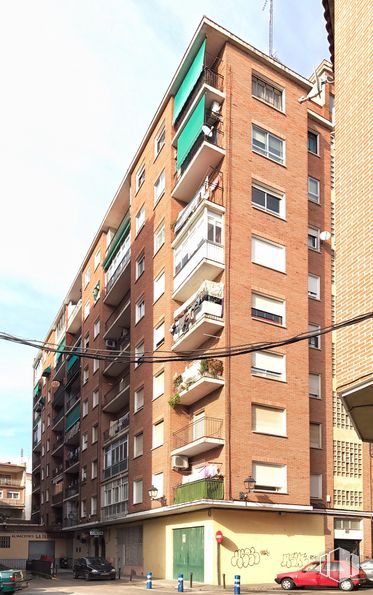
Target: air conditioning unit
179	462
110	343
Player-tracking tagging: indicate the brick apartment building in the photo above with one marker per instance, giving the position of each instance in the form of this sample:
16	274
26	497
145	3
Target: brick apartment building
212	241
15	492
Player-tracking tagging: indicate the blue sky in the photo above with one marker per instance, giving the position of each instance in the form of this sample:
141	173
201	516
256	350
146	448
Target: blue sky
81	80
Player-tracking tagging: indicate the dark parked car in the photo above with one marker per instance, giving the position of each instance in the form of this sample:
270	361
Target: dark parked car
11	580
93	568
367	566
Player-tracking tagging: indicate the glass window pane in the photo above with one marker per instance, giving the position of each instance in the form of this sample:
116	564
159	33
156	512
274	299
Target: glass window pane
273	203
258	197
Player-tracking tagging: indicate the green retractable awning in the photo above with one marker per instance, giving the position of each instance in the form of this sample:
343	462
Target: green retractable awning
36	389
117	241
191	131
60	348
72	417
71	361
47	371
189	81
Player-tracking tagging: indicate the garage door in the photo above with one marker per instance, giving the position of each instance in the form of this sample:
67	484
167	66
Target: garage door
40	548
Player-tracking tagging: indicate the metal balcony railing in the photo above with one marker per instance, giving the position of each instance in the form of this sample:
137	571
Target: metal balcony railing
121	266
71	520
10	481
117	311
113	511
58	470
209	77
118	388
117	426
211	190
56	498
216	139
115	469
72	432
72	458
206	427
72	490
201	489
58	417
70	402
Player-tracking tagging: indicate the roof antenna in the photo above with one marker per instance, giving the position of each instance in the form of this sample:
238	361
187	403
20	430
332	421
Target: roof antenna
270	44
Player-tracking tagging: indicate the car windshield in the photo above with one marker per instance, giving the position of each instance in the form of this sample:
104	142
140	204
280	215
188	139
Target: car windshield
313	567
3	567
96	561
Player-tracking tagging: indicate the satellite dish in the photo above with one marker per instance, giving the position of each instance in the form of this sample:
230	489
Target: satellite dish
325	235
207	131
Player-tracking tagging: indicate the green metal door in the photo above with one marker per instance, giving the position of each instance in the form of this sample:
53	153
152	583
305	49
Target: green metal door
189	552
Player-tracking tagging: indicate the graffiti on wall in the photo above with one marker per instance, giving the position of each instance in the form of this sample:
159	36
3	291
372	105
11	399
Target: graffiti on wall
296	559
245	557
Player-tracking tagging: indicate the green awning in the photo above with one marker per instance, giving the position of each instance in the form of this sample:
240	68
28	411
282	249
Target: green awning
72	417
59	353
191	131
189	81
117	241
71	361
47	371
36	389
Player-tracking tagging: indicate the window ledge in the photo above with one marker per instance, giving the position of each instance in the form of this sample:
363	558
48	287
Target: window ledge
269	268
268	322
269	434
268	377
269	158
258	208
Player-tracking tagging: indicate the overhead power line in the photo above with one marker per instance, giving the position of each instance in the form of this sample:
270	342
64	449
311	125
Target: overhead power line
159	356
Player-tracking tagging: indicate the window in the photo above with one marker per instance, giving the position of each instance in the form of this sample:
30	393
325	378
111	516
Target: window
268	420
97	259
85	408
158	482
267	92
196	236
83	508
158	434
48	421
313	142
268	200
138	445
268	309
315	341
269	477
315	435
159	286
268	364
95	398
83	473
140	219
137	491
268	144
96	365
313	286
85	441
140	309
4	541
87	277
48	445
140	265
94	505
85	375
94	434
313	189
96	329
159	238
214	228
86	310
13	495
94	469
159	335
159	187
268	254
140	177
47	470
159	141
46	495
316	486
313	239
86	341
139	353
314	390
158	385
139	399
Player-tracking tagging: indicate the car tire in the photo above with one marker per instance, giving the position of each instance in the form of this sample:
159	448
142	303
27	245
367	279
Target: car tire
75	575
346	585
287	584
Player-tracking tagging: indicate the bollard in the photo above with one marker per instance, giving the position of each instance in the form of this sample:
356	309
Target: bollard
180	583
191	580
224	581
119	569
149	580
237	584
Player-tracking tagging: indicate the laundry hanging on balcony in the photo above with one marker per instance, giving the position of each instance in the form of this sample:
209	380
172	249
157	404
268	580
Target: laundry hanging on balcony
189	81
190	132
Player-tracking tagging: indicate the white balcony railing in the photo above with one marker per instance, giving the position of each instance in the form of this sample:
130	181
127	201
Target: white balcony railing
205	251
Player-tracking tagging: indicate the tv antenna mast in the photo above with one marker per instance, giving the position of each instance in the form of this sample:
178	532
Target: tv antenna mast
270	33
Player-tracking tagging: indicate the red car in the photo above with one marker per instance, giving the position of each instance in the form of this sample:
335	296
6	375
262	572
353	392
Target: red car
336	573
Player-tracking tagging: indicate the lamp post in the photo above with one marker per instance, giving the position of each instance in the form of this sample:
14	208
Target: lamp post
153	493
249	484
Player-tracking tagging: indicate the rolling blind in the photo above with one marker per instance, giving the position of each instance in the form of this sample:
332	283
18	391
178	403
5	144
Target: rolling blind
268	361
269	475
268	420
268	254
260	302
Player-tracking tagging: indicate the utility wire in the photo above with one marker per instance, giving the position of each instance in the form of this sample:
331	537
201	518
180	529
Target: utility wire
158	356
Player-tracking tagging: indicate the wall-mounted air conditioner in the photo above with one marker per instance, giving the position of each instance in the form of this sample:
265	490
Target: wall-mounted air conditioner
179	462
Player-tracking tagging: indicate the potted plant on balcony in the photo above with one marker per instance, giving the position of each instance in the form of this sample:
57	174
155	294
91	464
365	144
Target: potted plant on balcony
212	366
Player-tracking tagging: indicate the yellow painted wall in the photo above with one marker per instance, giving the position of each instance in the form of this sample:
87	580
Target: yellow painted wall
256	545
19	541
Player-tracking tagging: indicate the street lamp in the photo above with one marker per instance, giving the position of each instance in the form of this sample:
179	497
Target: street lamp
153	493
249	484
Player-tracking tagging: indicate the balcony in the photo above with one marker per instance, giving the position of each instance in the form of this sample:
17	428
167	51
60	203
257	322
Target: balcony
57	499
10	481
36	444
71	400
59	396
59	373
202	489
71	491
57	444
73	434
205	263
209	82
119	281
58	470
71	520
117	427
73	368
120	467
118	397
122	360
13	503
199	318
72	459
74	321
206	152
114	511
357	398
200	436
57	422
119	319
199	380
